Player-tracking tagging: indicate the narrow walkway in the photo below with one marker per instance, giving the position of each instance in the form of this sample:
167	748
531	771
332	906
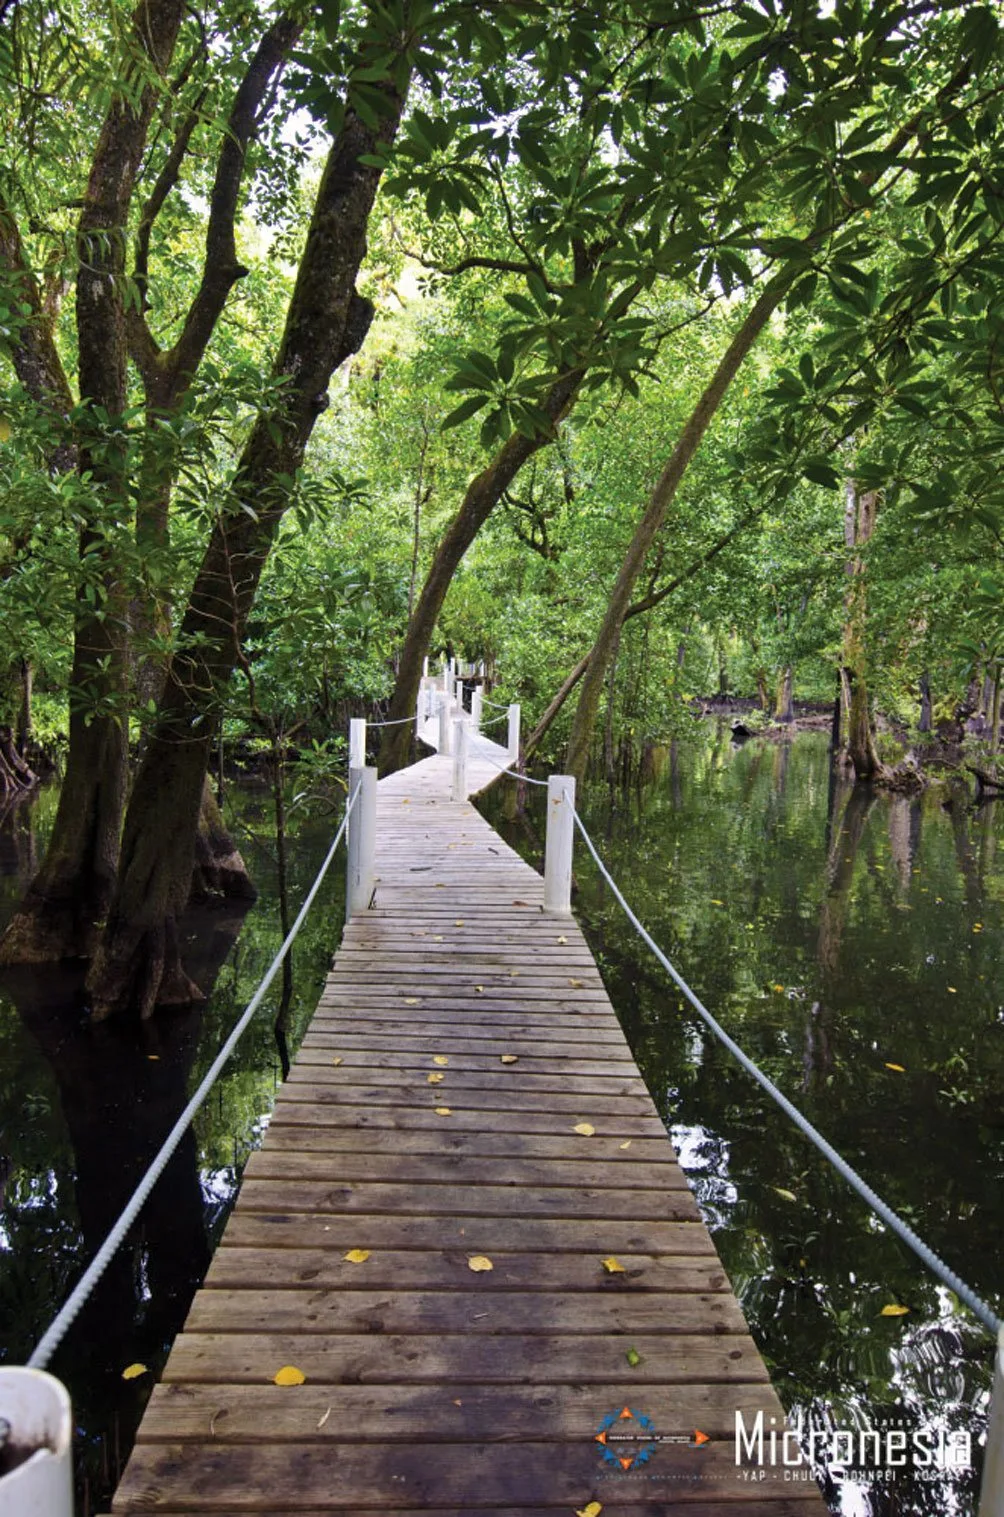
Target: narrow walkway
464	1095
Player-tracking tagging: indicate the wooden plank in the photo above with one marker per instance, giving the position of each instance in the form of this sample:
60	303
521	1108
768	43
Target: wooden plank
501	1313
380	1199
579	1108
465	1359
477	1235
500	1080
281	1163
403	1118
401	1413
604	1156
236	1267
360	1477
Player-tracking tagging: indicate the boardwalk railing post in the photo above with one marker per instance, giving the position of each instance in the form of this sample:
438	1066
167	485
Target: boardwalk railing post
458	693
992	1487
558	844
425	667
477	707
420	707
514	731
357	742
361	867
459	792
36	1408
444	724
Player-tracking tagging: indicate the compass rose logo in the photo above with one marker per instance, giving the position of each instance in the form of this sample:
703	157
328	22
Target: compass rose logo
628	1439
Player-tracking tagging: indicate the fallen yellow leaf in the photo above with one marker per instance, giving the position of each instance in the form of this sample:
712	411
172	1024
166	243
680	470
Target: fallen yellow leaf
894	1311
508	1058
613	1266
786	1194
459	922
132	1370
434	1078
443	1111
627	1144
289	1375
411	1000
897	1067
440	1059
479	989
576	984
584	1129
562	939
717	903
437	937
592	1510
338	1060
357	1255
951	990
156	1056
479	1264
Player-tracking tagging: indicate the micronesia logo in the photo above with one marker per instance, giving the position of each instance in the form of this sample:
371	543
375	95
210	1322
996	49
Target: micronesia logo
628	1439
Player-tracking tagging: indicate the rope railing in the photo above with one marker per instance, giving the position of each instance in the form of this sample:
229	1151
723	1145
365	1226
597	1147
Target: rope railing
74	1303
902	1229
510	773
398	722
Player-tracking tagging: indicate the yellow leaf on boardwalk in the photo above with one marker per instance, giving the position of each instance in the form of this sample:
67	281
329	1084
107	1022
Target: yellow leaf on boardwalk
577	984
434	1078
562	939
508	1058
627	1144
289	1375
479	989
592	1510
584	1129
440	1059
443	1111
338	1060
357	1255
411	1000
479	1264
131	1371
459	922
613	1266
894	1311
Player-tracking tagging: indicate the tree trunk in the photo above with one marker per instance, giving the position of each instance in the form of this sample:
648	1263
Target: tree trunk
655	513
24	727
137	966
483	495
995	710
784	711
860	512
69	897
219	869
925	722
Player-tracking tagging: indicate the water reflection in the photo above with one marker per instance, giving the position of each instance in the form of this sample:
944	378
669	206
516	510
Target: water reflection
851	942
82	1112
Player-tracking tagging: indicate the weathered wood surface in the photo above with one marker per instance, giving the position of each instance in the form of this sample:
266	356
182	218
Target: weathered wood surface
430	1387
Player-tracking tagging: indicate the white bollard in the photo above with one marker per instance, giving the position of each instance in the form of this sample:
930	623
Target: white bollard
37	1407
558	845
357	742
514	731
459	792
458	693
477	707
361	867
444	724
420	708
992	1486
425	667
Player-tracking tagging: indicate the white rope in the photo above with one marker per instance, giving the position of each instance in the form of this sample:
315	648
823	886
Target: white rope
494	704
494	720
54	1335
512	774
938	1267
398	722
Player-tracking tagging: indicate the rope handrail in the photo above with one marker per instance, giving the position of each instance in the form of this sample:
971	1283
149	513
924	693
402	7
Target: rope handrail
60	1326
513	774
493	720
903	1231
398	722
495	705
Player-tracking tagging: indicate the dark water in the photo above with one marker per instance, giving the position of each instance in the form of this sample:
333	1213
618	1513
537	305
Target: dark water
851	942
83	1110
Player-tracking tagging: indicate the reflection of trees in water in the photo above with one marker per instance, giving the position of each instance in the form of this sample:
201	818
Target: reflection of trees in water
121	1089
841	858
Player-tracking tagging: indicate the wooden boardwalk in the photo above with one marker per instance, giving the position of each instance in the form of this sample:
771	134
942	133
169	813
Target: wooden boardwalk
438	1115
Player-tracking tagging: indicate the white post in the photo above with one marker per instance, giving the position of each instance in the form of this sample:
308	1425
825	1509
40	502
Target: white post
425	667
444	724
992	1486
514	731
558	845
458	693
357	742
361	868
459	792
420	707
37	1408
477	707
